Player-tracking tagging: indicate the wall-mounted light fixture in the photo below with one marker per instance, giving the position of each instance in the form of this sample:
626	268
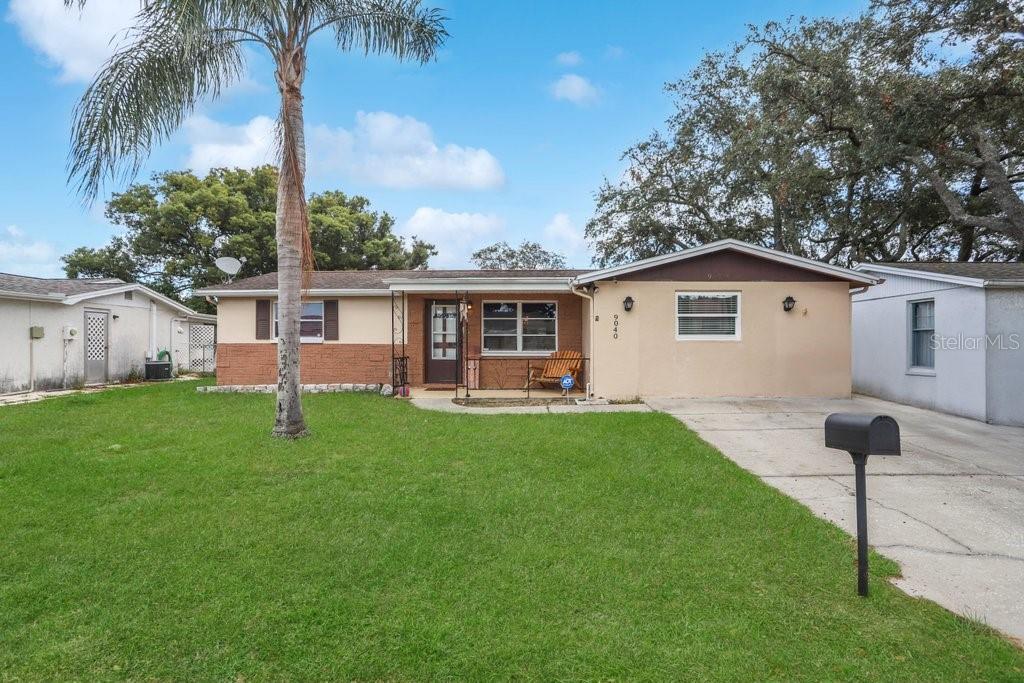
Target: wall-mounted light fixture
788	303
627	303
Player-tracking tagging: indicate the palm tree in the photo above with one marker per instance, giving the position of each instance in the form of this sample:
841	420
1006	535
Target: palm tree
180	52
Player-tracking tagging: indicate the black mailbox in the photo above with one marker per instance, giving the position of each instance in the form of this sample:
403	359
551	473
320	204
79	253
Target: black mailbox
862	434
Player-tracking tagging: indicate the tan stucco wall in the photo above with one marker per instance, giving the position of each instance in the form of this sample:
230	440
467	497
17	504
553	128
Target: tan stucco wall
361	320
802	353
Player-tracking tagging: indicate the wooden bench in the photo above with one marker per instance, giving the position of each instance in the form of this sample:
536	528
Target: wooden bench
557	365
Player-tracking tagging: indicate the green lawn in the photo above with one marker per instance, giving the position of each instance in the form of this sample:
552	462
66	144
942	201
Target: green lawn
157	533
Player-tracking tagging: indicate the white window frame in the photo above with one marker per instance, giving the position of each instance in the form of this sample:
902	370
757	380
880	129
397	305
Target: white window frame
519	328
911	368
710	337
302	340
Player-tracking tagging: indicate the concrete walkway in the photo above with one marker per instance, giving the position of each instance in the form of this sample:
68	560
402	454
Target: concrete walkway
950	510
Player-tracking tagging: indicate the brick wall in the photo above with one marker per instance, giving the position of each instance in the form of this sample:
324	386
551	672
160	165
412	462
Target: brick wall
320	363
495	372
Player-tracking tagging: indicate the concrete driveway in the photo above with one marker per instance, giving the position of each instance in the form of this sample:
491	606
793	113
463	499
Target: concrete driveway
950	510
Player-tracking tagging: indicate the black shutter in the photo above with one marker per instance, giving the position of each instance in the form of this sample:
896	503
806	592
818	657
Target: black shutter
331	320
263	319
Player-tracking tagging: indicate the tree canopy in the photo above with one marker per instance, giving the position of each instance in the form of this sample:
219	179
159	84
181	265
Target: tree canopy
527	256
178	224
896	134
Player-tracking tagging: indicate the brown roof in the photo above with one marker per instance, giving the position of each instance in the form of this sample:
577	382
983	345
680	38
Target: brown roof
374	279
24	284
981	270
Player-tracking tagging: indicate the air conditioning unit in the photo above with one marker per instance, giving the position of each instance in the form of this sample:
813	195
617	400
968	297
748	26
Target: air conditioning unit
70	332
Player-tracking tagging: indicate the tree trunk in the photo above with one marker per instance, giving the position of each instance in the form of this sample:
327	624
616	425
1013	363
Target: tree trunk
291	229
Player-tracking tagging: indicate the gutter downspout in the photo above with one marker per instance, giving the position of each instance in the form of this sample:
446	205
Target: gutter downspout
590	298
152	330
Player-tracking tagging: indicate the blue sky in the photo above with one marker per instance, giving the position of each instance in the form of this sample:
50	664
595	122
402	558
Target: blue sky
506	137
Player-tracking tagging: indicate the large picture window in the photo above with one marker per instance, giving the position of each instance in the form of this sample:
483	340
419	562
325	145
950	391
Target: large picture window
525	327
311	324
922	332
708	316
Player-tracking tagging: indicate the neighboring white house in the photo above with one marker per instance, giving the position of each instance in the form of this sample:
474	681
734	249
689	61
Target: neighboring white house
58	333
946	336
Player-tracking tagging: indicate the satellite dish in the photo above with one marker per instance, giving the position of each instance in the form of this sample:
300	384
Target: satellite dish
229	265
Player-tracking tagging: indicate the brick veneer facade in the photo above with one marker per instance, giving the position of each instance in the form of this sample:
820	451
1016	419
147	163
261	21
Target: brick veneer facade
320	363
330	363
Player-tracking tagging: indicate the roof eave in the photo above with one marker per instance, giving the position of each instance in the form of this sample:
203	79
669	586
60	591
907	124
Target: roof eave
481	284
923	275
248	293
27	296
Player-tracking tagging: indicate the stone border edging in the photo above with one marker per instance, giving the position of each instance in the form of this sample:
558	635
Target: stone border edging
382	389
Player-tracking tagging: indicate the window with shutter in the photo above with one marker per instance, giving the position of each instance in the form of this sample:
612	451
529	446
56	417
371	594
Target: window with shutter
263	319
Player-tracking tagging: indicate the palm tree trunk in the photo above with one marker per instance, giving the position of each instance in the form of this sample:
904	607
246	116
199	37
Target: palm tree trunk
291	231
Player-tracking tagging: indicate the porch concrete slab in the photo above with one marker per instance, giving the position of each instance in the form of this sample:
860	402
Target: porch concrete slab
950	510
446	405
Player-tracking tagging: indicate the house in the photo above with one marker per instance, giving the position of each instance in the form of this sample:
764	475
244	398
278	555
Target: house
725	319
60	333
945	336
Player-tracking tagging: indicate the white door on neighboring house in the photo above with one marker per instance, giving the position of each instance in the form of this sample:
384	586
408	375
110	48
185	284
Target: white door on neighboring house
97	330
179	345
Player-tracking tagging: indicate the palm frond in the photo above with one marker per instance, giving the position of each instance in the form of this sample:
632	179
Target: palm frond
402	28
145	91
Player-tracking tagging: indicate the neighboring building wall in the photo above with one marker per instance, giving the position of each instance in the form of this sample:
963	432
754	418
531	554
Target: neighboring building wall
1005	356
881	346
60	363
362	353
802	353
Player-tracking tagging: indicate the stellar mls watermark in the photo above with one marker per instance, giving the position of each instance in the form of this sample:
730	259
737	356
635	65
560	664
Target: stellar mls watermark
964	342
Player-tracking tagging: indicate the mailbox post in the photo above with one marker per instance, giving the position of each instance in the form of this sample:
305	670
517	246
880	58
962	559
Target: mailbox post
862	435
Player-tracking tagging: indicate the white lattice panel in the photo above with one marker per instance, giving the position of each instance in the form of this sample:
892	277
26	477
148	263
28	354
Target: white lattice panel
202	340
95	337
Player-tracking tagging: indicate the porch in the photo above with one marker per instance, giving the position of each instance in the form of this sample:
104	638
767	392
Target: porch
487	343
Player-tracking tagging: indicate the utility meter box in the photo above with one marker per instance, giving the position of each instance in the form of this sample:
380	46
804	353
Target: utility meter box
35	332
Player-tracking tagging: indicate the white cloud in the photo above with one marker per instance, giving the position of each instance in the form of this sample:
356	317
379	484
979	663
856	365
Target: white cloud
572	58
213	144
562	235
22	255
400	152
575	89
456	235
614	52
76	42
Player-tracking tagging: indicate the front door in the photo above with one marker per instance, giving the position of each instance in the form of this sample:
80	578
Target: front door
96	329
442	343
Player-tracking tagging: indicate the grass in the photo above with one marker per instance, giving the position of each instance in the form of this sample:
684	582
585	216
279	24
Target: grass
157	533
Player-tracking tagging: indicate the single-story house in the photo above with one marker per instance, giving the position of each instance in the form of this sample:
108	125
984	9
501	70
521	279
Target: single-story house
65	332
725	319
945	336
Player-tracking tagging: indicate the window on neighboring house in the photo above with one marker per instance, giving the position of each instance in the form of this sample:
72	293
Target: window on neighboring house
922	333
707	315
520	327
311	324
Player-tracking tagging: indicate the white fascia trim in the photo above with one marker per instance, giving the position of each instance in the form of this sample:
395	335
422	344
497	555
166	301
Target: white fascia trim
25	296
922	274
130	287
744	247
561	284
249	293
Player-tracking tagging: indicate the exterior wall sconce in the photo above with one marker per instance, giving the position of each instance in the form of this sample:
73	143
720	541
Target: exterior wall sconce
788	303
627	303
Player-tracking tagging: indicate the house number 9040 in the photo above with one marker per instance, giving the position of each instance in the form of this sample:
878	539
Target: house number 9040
615	326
